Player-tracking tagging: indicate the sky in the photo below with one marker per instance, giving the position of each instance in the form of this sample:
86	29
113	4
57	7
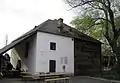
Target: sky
20	16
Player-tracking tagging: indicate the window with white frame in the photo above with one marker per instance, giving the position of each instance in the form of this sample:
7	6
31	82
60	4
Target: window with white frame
52	46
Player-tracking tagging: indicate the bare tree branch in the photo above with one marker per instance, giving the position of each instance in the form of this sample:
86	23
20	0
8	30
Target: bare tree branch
81	4
100	18
107	28
111	16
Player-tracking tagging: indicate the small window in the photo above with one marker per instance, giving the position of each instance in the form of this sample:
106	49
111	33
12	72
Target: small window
52	46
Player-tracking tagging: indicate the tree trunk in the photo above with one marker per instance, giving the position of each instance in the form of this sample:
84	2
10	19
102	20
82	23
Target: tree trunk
109	60
117	65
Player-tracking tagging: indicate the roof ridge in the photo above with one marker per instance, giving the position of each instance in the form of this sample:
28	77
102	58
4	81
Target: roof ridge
43	24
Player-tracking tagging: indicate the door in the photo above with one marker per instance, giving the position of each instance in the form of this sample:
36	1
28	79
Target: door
52	66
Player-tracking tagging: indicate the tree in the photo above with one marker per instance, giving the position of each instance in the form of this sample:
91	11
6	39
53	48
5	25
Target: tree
87	25
106	13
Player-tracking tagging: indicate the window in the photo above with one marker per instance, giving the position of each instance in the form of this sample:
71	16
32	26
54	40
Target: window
52	46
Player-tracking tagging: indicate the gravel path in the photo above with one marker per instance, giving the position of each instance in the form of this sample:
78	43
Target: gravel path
79	79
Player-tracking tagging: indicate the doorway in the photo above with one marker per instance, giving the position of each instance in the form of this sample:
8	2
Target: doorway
52	66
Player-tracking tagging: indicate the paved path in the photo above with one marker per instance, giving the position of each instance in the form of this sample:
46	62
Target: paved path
72	80
83	79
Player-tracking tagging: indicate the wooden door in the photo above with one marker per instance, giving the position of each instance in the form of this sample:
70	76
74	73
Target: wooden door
52	66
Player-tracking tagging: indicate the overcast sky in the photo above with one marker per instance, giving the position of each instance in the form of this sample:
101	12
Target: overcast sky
19	16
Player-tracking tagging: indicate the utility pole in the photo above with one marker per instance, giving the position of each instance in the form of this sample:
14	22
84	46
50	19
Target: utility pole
6	40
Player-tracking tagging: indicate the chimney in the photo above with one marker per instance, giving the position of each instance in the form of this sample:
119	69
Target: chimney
35	27
60	24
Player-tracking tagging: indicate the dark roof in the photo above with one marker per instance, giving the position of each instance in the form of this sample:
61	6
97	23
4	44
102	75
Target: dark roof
50	26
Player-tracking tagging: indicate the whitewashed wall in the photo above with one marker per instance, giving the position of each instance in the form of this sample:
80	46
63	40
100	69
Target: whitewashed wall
32	55
64	48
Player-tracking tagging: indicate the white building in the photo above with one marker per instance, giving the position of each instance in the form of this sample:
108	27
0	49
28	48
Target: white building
46	52
49	47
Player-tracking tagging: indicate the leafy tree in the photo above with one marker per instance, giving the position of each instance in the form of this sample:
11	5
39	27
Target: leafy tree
105	13
87	25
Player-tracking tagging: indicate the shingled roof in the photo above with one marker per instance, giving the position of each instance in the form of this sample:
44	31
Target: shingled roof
50	26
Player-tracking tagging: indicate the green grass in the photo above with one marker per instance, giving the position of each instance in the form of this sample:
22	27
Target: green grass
111	75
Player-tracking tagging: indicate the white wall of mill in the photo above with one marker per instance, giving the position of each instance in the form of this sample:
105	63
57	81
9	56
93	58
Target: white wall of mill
32	54
64	48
